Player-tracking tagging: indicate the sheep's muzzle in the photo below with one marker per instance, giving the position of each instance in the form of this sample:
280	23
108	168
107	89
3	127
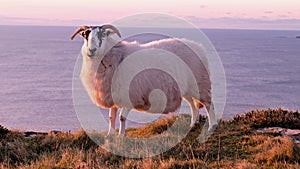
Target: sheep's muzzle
91	52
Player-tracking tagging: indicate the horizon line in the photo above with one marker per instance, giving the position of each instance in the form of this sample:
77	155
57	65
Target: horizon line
208	28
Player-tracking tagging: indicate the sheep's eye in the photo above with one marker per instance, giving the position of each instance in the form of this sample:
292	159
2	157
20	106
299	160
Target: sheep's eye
85	34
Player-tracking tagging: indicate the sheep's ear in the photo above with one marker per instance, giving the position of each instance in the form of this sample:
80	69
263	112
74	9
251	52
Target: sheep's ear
85	34
112	28
80	29
108	33
111	32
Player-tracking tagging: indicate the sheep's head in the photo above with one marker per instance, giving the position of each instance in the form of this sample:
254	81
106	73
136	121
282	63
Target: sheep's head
97	39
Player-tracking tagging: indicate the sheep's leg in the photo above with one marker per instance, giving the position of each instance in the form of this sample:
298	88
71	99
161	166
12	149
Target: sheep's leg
209	108
194	111
123	116
112	120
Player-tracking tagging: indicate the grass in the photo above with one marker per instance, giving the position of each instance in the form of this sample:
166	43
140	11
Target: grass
235	144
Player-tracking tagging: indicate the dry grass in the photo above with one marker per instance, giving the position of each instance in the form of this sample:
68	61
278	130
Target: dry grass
235	144
269	118
275	150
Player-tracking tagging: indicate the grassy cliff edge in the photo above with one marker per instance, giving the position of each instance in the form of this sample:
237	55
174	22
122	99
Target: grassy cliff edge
235	144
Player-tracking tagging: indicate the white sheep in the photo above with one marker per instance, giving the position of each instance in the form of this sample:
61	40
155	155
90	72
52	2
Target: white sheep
103	52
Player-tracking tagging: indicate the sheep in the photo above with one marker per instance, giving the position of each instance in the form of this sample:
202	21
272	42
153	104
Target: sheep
103	52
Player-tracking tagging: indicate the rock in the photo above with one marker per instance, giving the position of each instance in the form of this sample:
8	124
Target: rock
32	133
271	130
54	132
292	133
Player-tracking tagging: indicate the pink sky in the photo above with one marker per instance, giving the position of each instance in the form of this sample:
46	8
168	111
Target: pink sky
259	14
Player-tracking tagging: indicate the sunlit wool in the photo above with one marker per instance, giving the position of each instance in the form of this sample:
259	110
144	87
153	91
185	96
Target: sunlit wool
103	52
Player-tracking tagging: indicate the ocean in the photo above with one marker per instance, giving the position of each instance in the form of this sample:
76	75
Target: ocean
262	70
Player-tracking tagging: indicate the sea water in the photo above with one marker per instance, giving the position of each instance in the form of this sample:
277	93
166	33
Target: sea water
262	71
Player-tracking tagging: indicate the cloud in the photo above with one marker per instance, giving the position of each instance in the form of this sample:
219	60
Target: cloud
246	23
4	20
283	16
223	22
151	20
268	12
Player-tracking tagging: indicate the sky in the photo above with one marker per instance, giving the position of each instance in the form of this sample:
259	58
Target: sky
240	14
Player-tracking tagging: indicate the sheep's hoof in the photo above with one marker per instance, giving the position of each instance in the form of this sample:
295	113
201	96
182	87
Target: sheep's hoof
108	135
194	123
111	132
121	135
212	128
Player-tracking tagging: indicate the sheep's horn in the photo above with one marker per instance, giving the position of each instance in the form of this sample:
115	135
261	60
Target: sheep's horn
82	28
113	28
